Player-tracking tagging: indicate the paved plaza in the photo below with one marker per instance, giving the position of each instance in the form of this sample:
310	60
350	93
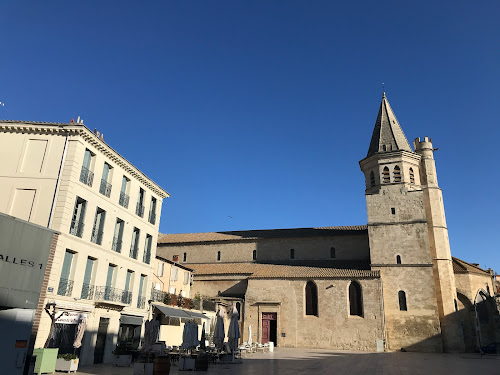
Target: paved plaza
318	362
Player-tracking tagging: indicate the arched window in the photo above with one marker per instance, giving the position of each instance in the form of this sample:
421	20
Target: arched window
397	174
218	255
398	259
332	252
355	302
254	255
372	179
311	298
412	176
184	257
385	176
292	254
402	301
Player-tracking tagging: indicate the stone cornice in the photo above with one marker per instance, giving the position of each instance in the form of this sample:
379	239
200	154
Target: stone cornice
81	130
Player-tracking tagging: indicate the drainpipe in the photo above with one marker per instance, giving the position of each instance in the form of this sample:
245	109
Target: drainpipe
58	180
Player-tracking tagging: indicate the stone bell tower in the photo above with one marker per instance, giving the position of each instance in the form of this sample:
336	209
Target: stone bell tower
399	203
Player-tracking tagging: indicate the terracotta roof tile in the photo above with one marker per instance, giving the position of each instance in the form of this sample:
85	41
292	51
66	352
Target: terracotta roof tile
273	271
460	266
259	234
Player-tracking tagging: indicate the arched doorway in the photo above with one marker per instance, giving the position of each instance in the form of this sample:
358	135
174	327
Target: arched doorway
465	312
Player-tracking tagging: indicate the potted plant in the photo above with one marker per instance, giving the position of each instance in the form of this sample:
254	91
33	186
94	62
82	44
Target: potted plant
67	362
122	358
144	364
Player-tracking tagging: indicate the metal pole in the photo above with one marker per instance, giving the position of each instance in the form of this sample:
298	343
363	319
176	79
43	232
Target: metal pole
478	326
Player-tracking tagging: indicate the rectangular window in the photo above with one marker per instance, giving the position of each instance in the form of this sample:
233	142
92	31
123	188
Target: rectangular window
86	174
161	267
174	274
118	235
98	227
152	211
157	286
109	292
186	278
127	294
139	210
88	288
76	227
184	257
141	299
171	290
105	187
22	204
124	198
147	249
65	284
134	246
292	253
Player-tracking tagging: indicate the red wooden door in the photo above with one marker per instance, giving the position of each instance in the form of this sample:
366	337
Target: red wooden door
266	326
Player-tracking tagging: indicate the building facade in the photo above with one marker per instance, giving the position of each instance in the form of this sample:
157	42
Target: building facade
65	177
389	284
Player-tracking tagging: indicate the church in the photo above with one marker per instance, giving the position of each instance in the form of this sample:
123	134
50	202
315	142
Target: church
386	285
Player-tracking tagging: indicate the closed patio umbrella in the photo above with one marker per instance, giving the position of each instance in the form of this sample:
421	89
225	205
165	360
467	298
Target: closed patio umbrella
203	339
234	330
80	330
219	333
249	342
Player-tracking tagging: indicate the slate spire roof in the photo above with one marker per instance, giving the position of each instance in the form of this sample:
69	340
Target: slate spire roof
387	135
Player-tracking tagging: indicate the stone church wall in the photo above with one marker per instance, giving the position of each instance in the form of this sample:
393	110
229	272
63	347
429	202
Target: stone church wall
347	247
333	328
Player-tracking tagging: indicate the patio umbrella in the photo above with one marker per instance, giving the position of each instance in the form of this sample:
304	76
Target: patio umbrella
234	330
249	342
80	330
219	330
203	339
151	329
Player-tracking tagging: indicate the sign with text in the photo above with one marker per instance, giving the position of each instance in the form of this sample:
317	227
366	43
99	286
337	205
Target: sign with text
68	317
24	251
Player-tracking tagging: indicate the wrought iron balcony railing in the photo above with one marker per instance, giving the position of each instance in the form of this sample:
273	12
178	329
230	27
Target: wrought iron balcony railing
157	295
139	210
105	188
87	291
86	176
76	228
141	302
152	217
134	250
117	245
124	198
96	236
107	293
65	287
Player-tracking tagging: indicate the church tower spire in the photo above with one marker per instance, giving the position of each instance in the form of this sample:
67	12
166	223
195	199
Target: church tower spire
387	134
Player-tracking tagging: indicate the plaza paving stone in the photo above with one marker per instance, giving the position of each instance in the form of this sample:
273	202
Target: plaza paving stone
295	361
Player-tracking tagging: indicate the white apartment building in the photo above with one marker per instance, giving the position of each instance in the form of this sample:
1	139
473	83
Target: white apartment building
65	177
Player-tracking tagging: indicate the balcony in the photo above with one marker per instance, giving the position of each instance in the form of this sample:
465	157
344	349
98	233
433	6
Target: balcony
96	236
152	217
65	287
141	302
124	198
139	210
134	250
86	176
107	293
172	299
76	228
87	291
105	188
117	245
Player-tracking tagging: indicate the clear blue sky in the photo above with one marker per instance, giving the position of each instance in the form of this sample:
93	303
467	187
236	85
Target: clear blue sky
254	114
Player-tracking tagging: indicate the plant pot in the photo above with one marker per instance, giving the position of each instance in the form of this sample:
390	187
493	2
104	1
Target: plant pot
45	360
123	360
142	368
64	365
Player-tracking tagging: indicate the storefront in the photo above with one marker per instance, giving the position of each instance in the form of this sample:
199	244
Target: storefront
129	335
